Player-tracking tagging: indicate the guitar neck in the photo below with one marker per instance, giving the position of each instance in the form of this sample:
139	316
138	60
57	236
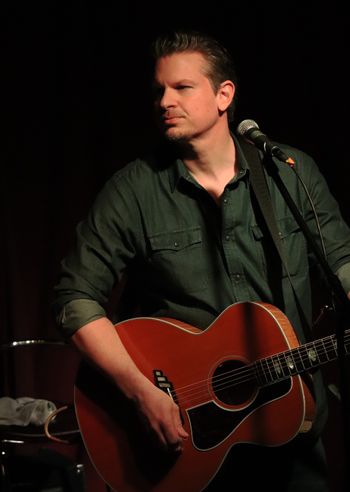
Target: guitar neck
300	360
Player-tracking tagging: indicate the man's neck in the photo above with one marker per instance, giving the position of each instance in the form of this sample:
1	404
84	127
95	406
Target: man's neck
213	163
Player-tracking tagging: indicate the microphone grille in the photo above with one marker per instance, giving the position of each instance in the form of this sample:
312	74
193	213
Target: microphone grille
245	126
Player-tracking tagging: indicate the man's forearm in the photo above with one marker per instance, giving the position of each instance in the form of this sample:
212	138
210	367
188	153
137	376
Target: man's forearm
100	343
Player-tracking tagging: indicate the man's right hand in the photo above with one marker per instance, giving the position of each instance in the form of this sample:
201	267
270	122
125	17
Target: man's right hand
161	416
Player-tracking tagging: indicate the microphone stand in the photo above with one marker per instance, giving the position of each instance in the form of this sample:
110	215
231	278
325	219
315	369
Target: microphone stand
342	303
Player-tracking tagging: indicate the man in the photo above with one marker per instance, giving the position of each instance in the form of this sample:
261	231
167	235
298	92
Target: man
185	229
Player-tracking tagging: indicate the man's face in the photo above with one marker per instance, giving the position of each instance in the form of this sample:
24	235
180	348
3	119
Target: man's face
185	102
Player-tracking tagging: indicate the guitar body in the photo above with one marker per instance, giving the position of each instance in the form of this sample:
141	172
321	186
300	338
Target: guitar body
218	410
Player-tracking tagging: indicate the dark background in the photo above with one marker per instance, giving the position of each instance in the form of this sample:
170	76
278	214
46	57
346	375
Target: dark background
75	109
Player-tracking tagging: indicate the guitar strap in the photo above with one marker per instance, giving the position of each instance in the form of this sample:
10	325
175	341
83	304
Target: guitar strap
260	188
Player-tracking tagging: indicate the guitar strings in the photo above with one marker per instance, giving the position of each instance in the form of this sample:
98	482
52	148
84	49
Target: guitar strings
199	392
202	394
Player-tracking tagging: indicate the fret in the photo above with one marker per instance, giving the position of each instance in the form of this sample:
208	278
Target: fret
298	358
282	361
323	352
290	364
343	350
277	367
312	355
334	345
334	349
269	376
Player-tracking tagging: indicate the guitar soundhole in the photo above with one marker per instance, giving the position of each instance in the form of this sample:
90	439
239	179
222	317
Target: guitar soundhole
232	383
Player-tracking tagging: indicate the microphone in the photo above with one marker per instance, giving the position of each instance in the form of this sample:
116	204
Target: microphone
250	131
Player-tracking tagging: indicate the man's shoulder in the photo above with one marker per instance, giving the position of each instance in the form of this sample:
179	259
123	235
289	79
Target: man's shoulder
304	162
146	166
296	152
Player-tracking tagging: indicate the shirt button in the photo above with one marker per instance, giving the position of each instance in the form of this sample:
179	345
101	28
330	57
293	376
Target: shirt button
225	200
237	276
176	244
227	238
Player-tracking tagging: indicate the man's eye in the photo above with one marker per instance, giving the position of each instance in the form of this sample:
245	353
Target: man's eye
181	87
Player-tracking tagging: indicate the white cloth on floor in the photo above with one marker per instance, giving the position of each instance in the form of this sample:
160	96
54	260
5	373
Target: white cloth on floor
24	411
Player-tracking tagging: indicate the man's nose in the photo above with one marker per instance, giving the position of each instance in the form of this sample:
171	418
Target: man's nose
167	100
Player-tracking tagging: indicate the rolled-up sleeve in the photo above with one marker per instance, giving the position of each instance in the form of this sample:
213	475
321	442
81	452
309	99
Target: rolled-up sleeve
104	246
77	313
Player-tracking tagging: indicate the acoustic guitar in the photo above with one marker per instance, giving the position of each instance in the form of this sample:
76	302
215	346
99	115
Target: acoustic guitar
245	379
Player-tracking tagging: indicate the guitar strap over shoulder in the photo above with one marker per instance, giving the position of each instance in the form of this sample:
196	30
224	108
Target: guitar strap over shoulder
261	191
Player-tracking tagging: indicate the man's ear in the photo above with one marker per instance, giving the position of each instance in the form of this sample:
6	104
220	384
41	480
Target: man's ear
225	95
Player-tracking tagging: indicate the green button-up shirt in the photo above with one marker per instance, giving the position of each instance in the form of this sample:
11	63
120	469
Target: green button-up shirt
188	258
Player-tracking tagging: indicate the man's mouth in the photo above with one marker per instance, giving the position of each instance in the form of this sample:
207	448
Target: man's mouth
171	119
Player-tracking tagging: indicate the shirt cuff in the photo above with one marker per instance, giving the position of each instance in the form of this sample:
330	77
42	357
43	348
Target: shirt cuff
77	313
344	276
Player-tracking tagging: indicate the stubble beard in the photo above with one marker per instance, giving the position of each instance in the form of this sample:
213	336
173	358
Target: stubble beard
182	142
176	136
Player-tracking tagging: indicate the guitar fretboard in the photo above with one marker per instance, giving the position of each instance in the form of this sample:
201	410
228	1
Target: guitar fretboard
299	360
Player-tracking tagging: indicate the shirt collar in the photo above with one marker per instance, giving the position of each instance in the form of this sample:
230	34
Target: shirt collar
178	171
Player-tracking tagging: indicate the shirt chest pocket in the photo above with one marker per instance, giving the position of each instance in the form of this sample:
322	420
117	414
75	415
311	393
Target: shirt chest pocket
177	260
293	244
